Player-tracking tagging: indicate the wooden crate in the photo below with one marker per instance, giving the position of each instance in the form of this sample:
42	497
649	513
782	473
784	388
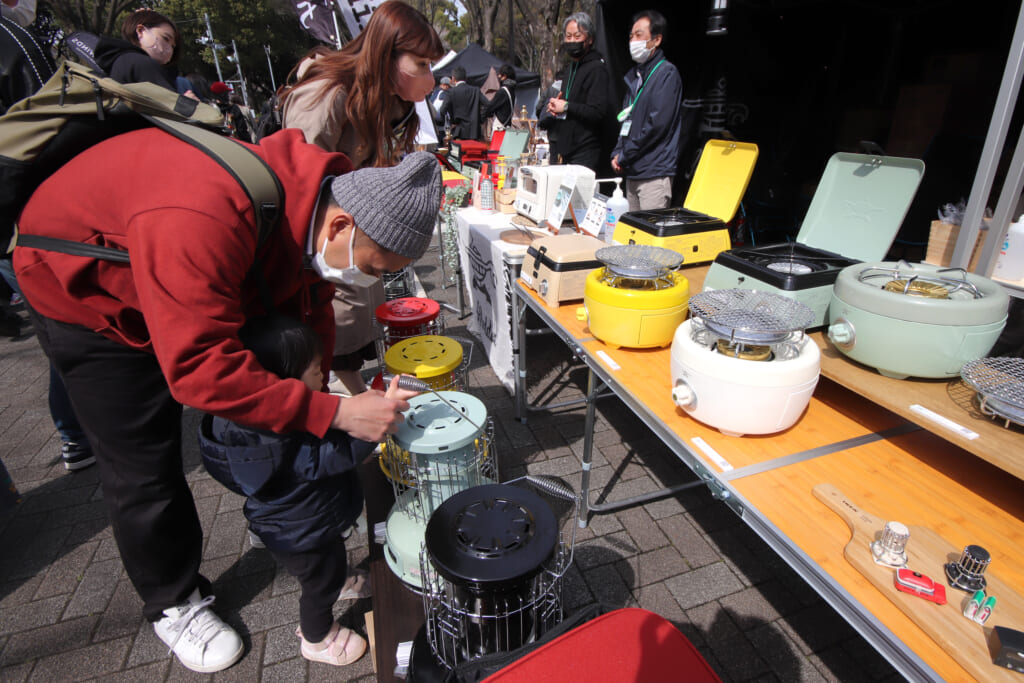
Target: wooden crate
942	240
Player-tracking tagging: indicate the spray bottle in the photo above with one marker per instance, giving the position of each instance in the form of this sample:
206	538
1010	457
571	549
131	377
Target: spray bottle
617	205
1010	262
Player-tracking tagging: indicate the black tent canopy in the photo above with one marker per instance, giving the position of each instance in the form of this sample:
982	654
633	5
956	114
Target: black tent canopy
478	62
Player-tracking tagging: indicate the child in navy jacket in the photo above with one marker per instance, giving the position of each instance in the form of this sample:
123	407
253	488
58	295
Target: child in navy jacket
302	492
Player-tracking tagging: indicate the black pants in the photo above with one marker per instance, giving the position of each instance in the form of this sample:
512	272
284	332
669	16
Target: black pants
321	574
134	426
589	156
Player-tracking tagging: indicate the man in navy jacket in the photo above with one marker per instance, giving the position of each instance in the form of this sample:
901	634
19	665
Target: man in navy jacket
650	133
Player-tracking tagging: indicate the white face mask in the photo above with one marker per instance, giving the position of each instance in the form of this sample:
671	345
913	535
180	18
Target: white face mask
350	276
639	51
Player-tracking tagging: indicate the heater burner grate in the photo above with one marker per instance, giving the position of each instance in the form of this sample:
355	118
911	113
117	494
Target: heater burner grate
917	287
1000	386
749	317
948	283
793	267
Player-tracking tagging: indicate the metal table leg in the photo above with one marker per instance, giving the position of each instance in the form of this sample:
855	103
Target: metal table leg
594	387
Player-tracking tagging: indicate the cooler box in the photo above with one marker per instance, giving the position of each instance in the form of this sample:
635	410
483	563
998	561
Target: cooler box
697	230
556	267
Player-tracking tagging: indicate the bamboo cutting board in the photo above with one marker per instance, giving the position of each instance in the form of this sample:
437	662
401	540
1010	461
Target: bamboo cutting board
927	552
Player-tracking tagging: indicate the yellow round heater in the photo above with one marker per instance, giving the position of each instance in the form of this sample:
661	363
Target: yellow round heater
429	357
635	317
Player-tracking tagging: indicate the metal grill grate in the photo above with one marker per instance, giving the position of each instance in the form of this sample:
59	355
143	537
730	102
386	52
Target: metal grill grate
1000	386
748	316
901	278
639	261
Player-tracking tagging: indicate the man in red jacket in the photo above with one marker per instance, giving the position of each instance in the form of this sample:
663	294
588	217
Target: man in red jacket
135	342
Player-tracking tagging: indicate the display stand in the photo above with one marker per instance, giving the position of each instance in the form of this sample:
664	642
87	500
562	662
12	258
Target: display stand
988	166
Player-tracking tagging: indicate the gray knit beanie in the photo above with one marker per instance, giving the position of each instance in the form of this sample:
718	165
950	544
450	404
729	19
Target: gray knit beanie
395	206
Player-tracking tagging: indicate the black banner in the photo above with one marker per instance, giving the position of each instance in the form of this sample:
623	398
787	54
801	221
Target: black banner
317	18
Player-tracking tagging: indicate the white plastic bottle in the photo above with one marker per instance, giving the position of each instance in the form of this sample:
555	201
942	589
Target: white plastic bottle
617	205
1010	262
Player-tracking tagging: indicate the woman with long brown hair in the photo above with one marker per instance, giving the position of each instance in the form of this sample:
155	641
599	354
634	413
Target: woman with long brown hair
361	100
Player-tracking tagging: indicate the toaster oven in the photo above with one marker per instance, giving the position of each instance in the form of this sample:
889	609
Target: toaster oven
536	187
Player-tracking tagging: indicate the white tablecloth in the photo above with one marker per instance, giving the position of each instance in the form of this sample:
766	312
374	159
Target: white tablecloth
485	258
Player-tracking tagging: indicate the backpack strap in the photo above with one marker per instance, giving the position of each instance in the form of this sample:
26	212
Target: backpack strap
255	176
257	179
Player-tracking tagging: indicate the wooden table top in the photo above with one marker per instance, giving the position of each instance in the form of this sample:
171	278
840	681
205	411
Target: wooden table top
921	477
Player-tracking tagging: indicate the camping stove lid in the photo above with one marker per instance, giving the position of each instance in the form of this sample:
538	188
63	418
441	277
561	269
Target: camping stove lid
491	537
432	426
639	261
748	316
1000	386
860	203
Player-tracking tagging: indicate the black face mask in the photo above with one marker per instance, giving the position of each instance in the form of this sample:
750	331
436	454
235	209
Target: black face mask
574	50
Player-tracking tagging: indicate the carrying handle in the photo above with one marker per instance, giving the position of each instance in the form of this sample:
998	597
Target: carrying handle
555	488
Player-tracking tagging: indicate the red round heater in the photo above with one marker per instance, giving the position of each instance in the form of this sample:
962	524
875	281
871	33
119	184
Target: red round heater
410	316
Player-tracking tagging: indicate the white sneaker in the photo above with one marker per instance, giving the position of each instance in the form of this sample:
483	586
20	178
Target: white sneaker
201	641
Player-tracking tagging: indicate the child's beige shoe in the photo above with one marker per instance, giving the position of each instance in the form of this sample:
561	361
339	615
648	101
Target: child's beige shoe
341	646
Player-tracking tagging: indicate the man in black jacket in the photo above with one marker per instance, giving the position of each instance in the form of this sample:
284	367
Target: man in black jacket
464	107
502	105
583	108
651	124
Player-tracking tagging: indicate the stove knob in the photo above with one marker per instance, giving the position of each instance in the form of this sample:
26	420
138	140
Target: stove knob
683	395
842	334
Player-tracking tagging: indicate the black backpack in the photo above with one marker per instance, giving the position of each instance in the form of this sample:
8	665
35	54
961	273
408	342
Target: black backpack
25	63
78	108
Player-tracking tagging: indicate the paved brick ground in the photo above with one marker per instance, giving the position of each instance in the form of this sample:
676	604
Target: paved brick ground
68	612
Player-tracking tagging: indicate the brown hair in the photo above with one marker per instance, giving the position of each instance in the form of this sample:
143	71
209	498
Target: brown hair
365	68
149	19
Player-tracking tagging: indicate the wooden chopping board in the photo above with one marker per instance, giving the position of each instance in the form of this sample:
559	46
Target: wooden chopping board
927	552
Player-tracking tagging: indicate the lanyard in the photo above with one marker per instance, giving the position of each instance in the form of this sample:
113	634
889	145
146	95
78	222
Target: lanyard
633	103
573	68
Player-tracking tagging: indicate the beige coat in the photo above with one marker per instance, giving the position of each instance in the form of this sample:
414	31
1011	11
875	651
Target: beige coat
322	120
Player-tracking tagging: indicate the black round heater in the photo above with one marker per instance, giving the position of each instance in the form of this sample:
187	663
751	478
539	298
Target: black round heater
491	546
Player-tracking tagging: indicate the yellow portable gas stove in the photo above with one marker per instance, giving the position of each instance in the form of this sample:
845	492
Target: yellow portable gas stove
697	230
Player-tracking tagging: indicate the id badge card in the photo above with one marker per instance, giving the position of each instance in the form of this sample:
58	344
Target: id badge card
624	128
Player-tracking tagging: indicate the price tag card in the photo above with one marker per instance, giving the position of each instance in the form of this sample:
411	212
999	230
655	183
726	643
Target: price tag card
597	212
563	199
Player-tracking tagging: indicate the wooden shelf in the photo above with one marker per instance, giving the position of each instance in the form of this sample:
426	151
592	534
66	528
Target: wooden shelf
952	399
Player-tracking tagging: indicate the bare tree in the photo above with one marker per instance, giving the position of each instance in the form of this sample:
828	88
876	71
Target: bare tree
542	33
483	15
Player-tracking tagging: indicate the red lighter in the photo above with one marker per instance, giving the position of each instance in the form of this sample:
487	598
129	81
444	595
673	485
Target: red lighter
916	583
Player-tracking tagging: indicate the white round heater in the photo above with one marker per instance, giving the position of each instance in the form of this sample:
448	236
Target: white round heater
742	364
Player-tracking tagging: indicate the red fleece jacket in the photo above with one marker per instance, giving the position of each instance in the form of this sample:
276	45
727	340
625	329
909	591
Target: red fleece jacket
190	230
